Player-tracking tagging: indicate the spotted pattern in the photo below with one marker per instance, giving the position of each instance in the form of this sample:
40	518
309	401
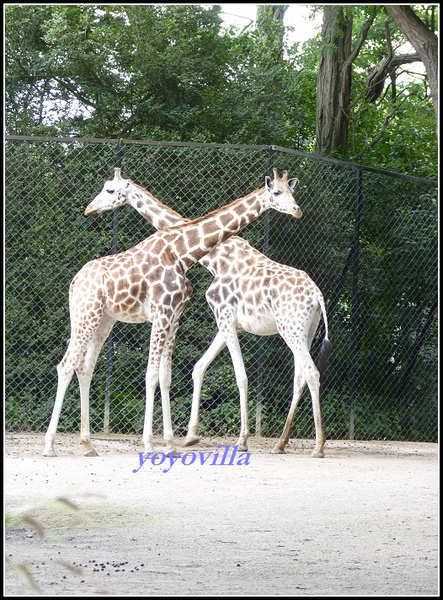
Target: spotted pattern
146	283
256	294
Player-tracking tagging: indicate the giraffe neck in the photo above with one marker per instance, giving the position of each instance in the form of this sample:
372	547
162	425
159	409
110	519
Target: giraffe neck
163	217
159	215
197	238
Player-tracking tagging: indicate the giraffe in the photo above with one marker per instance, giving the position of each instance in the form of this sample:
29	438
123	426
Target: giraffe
148	283
249	292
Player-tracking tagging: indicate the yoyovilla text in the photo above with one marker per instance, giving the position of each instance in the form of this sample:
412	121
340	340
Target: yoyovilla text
227	457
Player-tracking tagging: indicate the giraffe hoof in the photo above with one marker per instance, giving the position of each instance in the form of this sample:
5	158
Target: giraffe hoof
278	450
191	440
175	453
316	454
91	453
49	452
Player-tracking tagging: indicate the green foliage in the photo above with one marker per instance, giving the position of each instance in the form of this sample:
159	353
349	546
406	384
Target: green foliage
172	72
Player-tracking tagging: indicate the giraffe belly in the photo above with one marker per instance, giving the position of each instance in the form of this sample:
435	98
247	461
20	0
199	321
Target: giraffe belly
128	317
256	321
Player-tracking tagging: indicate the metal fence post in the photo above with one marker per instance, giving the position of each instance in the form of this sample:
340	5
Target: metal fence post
109	343
261	339
355	335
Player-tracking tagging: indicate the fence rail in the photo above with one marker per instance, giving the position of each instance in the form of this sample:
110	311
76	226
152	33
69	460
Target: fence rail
368	238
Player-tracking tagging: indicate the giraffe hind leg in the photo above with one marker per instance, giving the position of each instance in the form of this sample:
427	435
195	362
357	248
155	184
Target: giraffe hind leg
159	334
65	371
71	361
299	384
313	381
242	385
84	374
165	377
64	377
305	372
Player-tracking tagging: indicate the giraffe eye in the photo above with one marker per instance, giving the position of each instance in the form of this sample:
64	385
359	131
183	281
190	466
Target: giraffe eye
277	193
110	191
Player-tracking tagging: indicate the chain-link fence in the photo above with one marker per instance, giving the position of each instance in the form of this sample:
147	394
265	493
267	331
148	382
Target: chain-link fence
367	238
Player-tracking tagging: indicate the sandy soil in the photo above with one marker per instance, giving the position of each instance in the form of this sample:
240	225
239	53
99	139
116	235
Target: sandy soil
361	521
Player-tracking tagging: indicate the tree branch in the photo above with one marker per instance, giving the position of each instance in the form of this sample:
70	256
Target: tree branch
360	41
425	43
380	134
70	88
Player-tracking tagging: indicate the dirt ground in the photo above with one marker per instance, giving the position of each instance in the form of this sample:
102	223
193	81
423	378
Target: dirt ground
361	521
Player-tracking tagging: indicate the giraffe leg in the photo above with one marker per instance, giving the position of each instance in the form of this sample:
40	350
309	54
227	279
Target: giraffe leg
313	379
65	370
151	384
305	372
64	376
198	373
165	376
84	323
84	375
159	332
299	384
242	383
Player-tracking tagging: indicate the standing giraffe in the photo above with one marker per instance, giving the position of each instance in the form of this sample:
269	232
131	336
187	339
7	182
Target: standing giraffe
249	292
148	283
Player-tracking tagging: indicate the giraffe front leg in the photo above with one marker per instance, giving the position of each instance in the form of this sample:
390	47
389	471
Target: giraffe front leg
217	345
165	377
84	375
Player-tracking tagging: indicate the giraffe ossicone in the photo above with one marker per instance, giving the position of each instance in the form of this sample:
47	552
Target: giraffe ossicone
148	283
249	292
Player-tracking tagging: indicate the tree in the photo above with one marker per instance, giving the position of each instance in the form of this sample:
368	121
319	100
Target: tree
424	41
116	70
270	26
172	72
334	80
352	39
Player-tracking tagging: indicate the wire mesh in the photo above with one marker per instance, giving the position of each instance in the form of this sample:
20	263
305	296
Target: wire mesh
392	341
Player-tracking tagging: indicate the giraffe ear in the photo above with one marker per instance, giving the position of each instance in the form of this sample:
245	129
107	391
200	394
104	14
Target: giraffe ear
268	182
292	183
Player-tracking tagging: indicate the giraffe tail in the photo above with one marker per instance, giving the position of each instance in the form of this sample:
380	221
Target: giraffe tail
325	353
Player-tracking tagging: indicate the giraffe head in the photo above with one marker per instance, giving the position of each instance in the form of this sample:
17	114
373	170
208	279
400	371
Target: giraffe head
115	193
280	194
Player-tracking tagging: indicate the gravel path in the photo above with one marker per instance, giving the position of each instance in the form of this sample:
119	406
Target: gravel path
361	521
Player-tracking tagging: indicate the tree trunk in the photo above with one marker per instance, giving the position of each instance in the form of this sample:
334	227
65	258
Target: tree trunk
334	83
425	43
270	25
334	80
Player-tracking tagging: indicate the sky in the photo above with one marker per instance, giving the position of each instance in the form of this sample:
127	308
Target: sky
296	16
